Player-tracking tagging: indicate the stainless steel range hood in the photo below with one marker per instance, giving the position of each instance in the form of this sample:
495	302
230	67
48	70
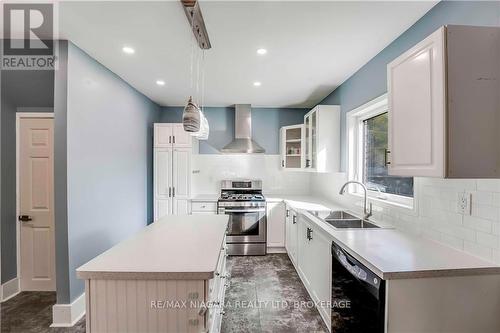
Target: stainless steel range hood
243	143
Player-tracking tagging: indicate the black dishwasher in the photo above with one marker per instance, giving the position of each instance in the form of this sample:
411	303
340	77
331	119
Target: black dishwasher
358	295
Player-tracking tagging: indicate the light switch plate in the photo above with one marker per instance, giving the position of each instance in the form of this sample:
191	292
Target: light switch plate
464	203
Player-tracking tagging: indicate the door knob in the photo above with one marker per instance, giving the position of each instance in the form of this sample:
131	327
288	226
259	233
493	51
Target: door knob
25	218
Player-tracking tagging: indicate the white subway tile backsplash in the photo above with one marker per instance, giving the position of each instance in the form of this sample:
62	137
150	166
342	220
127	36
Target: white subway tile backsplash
485	211
492	185
477	224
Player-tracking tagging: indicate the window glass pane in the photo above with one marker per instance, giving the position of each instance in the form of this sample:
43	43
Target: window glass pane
375	171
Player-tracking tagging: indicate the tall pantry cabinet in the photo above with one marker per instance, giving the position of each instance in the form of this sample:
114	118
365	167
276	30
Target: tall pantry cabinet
172	170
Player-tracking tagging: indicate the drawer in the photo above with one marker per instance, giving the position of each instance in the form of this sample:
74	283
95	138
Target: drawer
203	206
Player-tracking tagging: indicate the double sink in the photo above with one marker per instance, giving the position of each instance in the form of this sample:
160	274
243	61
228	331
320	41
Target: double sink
343	220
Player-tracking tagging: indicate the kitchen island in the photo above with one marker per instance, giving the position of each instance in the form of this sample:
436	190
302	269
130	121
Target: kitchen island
170	277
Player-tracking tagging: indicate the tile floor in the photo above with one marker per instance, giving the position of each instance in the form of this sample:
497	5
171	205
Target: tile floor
257	299
255	302
31	312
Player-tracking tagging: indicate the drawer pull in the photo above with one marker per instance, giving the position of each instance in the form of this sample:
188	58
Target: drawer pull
223	313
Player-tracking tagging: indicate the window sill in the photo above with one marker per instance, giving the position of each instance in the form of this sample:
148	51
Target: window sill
374	199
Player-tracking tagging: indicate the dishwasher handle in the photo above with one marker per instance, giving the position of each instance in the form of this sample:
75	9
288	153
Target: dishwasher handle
357	269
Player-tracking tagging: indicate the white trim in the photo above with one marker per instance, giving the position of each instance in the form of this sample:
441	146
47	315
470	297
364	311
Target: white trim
276	250
368	110
10	289
67	315
24	112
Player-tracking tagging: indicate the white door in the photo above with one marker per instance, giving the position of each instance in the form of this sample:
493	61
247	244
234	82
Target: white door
275	224
36	204
416	94
162	182
163	135
181	180
181	138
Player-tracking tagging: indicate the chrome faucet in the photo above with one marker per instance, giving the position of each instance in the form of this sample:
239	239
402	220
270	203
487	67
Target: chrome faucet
367	212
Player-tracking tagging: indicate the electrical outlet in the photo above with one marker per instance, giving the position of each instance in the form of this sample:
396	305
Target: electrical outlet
464	203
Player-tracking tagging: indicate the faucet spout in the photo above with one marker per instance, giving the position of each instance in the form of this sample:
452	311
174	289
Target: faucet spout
367	212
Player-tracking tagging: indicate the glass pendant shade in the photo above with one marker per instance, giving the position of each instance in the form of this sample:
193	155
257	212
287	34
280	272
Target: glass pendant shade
191	117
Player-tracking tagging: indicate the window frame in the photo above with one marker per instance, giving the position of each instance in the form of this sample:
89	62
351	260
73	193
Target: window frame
355	158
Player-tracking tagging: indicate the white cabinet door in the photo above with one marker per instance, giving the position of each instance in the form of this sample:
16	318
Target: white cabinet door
305	254
321	275
416	96
181	180
288	227
162	182
180	206
294	227
276	224
180	138
162	135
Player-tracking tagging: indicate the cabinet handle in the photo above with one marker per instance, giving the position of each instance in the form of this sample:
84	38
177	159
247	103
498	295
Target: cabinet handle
282	163
169	139
173	192
294	219
174	138
169	191
287	213
309	234
308	163
386	159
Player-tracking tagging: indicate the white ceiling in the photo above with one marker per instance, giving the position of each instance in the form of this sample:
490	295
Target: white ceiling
312	46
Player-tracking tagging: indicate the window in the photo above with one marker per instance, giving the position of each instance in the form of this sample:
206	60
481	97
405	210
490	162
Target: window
367	153
375	171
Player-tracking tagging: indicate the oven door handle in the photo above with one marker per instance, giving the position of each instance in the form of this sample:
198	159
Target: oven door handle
244	210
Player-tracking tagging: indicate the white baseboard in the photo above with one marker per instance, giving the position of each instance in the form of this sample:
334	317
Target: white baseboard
276	250
67	315
10	289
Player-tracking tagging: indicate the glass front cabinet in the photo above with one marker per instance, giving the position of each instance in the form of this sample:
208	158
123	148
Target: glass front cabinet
292	147
314	145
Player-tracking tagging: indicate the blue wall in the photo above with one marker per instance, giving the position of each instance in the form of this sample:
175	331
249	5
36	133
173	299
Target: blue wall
266	123
371	80
109	163
18	89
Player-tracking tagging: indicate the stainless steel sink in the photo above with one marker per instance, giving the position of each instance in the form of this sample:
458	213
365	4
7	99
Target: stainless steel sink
340	215
343	220
348	224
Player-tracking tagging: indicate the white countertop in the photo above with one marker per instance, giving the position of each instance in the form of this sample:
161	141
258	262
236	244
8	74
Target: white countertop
175	247
390	253
205	197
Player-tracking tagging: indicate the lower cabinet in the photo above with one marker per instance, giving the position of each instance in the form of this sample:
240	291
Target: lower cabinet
276	225
314	264
216	291
203	207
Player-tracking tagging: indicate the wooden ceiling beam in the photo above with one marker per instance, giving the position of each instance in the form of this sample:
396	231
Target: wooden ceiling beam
195	19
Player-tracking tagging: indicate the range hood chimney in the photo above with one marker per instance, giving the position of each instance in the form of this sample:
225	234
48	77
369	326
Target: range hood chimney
243	143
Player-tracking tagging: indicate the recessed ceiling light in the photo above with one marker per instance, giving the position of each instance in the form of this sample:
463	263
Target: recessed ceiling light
128	50
160	82
261	51
257	84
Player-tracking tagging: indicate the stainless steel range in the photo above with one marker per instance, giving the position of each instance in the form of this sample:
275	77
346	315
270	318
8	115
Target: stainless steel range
243	201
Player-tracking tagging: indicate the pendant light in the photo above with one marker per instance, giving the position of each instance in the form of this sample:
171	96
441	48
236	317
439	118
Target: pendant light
193	118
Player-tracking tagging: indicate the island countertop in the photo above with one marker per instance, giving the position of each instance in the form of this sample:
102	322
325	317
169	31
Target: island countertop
175	247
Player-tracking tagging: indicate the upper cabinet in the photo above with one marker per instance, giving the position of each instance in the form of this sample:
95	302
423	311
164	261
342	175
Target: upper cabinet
292	147
171	135
444	110
322	139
